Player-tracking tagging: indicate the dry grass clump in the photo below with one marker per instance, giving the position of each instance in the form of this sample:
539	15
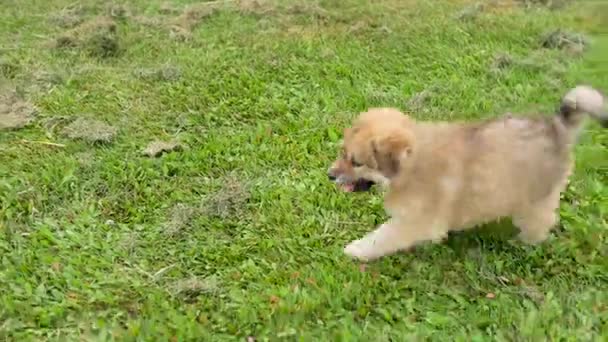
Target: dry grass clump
192	287
565	40
229	201
158	147
181	27
90	130
15	112
98	37
165	73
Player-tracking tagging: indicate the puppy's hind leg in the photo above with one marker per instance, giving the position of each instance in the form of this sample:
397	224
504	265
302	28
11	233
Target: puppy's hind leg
389	238
536	221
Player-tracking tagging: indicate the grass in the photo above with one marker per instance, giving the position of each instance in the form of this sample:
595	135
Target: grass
239	234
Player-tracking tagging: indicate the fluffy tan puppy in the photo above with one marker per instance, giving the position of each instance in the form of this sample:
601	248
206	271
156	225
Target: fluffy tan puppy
454	176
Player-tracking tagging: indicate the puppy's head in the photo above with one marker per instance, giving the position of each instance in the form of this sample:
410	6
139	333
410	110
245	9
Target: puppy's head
373	150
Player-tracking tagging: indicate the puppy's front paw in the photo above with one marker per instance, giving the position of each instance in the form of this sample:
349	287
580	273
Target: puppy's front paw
359	250
534	238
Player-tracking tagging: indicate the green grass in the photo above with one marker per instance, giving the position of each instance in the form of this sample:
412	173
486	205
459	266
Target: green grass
240	234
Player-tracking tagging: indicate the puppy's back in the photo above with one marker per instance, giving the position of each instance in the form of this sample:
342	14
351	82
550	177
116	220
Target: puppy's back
474	173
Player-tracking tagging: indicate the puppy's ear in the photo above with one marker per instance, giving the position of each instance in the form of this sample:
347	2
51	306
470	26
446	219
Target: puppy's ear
391	150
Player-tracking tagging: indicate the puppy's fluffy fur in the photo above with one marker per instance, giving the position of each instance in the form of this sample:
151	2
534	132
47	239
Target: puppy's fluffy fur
453	176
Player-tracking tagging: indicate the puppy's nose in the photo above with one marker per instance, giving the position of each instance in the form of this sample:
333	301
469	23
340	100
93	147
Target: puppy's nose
331	177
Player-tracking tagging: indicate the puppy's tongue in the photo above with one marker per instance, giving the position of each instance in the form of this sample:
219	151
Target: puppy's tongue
348	187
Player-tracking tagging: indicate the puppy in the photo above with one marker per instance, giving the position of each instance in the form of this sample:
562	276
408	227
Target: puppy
443	177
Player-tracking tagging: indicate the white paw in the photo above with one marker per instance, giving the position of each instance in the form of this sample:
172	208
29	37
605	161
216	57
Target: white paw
358	249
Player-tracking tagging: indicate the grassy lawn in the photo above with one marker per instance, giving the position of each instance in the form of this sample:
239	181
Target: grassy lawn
235	230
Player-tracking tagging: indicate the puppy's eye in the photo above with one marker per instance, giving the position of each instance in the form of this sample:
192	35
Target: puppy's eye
355	163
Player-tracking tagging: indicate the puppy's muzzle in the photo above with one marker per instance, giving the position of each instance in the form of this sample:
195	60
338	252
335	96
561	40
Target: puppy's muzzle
363	185
347	185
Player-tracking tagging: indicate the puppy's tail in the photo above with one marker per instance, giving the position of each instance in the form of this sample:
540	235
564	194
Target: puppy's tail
580	101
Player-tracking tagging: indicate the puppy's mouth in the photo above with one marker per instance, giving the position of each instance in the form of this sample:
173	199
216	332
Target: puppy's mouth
356	186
